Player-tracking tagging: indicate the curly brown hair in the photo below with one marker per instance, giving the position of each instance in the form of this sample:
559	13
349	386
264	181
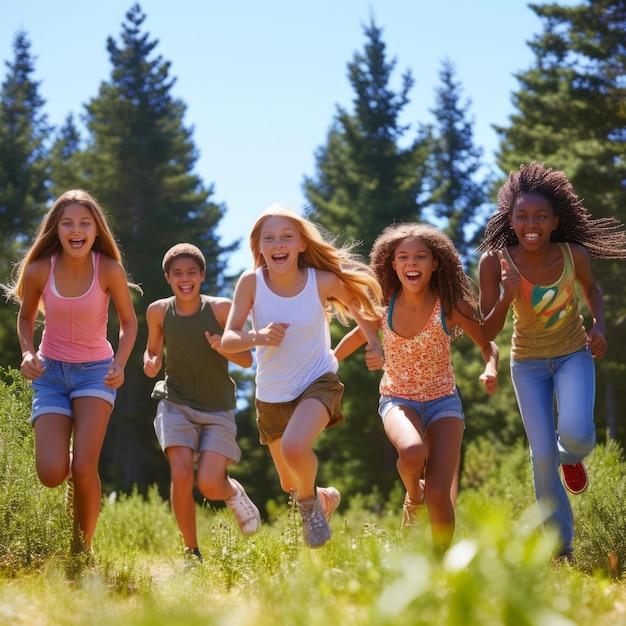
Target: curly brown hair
604	238
449	281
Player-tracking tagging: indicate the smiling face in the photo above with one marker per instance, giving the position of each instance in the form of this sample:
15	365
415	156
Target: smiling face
280	243
77	229
533	220
414	264
185	278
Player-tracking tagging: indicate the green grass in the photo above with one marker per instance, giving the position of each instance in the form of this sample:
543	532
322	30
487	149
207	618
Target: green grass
498	570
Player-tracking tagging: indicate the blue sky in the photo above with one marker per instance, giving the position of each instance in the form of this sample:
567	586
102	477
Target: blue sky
262	80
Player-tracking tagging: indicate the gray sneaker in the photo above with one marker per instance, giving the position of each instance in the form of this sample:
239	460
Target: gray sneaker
315	526
244	510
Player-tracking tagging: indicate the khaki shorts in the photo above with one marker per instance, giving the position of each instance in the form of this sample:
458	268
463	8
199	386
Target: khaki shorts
273	417
180	425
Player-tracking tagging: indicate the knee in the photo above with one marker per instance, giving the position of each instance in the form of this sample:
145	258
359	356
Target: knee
412	458
51	476
293	451
212	487
182	475
579	445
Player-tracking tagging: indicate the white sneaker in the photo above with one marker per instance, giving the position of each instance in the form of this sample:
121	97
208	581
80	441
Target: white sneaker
330	499
244	510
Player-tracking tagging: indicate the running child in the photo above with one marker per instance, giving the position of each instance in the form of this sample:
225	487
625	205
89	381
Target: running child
195	417
297	278
537	246
70	273
429	301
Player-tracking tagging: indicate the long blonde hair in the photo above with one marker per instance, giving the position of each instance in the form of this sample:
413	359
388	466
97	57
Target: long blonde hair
46	242
324	255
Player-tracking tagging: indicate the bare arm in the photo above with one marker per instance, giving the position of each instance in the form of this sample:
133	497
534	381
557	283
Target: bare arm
221	308
489	350
592	295
153	354
349	343
495	302
34	283
331	286
117	286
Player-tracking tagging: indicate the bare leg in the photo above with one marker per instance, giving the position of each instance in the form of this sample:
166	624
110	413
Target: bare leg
181	492
213	482
403	427
91	418
443	440
52	448
295	453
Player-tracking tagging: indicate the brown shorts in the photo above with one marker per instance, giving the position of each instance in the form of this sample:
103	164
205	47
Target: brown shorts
272	417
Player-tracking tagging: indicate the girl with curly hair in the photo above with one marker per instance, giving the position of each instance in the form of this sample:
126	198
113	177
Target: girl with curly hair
429	301
536	247
298	279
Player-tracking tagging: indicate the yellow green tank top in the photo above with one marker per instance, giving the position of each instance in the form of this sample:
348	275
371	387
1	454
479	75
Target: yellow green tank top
546	320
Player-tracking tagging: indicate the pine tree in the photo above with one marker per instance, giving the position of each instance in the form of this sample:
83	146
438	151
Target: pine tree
571	115
23	154
454	192
364	178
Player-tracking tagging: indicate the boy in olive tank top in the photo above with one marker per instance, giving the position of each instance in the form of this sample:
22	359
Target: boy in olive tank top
195	417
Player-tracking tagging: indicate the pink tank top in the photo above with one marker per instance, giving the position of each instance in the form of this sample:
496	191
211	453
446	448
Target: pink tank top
75	329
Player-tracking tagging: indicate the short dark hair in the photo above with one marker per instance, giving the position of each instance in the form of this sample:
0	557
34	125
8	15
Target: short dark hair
183	250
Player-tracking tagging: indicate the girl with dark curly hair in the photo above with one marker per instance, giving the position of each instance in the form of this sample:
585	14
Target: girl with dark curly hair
429	301
536	247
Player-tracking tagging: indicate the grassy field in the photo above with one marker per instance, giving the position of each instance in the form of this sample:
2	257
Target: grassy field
498	571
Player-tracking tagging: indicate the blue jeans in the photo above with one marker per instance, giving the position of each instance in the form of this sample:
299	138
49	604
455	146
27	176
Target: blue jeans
571	378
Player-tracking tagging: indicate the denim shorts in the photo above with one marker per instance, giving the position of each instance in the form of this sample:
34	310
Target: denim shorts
213	431
429	411
272	417
62	382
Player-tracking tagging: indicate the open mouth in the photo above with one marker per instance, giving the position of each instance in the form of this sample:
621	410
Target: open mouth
186	289
77	243
413	276
279	258
531	236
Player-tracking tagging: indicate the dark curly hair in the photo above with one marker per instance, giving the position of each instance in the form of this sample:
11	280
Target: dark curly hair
449	281
604	238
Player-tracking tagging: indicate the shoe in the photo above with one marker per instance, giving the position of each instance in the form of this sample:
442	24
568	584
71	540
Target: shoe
410	512
193	557
69	497
330	499
315	526
575	477
564	558
244	510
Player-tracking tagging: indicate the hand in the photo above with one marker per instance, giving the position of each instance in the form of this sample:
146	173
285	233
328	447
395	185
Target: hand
510	278
115	376
215	341
490	381
31	366
272	335
152	367
374	357
596	343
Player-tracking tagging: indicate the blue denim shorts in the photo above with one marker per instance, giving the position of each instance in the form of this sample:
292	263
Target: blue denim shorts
62	382
429	411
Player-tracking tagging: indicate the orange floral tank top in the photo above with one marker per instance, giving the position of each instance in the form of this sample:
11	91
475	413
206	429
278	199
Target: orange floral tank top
417	368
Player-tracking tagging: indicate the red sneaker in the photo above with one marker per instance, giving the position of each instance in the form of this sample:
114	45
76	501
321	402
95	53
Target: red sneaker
575	477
